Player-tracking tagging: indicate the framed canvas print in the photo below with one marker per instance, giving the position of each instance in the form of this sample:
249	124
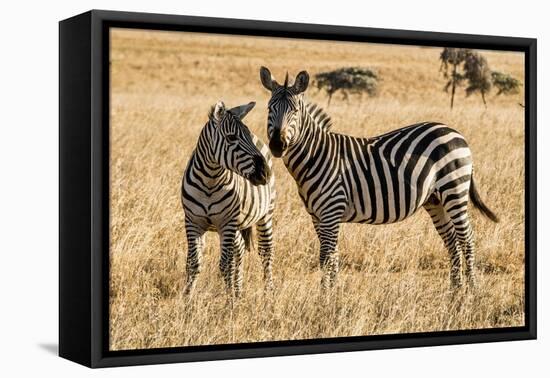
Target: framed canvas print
234	188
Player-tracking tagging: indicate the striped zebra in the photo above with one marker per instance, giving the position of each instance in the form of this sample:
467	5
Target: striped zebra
228	187
377	180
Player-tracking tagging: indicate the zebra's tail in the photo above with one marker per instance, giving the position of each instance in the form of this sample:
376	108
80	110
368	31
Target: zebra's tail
247	236
476	200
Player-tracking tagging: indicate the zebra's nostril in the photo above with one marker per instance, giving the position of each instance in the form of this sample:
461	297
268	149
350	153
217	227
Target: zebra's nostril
258	161
261	171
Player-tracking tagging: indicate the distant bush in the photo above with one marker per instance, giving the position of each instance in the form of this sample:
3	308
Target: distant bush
348	80
505	84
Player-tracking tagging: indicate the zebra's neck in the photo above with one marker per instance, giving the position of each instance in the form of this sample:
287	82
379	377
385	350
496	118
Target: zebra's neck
317	115
312	118
314	139
203	162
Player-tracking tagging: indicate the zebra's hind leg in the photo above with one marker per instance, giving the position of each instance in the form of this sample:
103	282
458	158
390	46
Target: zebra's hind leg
446	230
195	243
238	254
265	248
227	261
328	256
465	235
467	239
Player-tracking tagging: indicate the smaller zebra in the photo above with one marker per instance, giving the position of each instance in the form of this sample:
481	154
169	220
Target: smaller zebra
228	187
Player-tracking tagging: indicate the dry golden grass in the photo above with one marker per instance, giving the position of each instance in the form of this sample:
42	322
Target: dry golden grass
394	278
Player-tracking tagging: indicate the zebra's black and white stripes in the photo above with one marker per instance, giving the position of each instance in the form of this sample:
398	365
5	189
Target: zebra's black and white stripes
377	180
228	187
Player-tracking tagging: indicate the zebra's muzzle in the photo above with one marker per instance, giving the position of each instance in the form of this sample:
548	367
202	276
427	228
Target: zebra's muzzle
262	173
277	147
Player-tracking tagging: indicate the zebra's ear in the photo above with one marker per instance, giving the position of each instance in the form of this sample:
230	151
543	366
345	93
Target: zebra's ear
218	111
243	110
267	79
301	82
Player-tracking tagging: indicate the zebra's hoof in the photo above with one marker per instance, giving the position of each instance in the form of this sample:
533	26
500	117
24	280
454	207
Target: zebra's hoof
188	291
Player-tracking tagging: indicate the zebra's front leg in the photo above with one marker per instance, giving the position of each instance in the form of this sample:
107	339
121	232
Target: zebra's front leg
265	248
327	232
194	254
227	261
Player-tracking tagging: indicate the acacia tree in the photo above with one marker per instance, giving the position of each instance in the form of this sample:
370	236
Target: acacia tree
464	65
451	61
478	74
347	80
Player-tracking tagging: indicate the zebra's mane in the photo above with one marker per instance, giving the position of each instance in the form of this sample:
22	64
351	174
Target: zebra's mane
319	116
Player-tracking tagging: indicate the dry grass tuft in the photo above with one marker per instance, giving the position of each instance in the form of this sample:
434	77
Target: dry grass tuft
394	278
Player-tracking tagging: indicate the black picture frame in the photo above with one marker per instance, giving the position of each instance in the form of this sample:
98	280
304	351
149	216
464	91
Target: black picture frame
84	187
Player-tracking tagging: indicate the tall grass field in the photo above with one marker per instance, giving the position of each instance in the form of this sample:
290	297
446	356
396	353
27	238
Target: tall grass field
394	278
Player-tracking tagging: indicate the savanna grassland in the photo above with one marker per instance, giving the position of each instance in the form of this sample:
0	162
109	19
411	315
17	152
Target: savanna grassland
393	279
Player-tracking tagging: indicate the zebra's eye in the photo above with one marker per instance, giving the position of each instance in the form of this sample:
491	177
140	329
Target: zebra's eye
231	138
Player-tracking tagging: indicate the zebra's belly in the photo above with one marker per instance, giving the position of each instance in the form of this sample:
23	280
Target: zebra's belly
212	219
237	203
246	220
385	208
217	222
361	218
